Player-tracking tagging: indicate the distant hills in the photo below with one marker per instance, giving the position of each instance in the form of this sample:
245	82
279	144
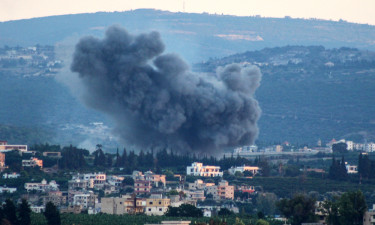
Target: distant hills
195	36
314	88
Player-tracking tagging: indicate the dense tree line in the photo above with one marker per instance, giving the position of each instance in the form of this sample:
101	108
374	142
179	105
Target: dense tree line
15	215
72	158
337	170
347	209
366	167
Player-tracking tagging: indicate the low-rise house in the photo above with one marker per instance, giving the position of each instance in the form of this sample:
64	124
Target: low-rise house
4	147
157	205
7	190
253	169
11	175
369	217
37	209
123	205
172	223
197	169
52	154
199	185
42	186
352	169
32	162
75	209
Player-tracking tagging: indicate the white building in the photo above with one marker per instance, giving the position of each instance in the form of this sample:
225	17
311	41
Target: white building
350	145
11	175
7	189
37	209
95	180
245	149
197	169
43	186
252	169
351	169
85	200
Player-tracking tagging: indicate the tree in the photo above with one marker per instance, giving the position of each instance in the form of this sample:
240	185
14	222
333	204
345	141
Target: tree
128	181
10	212
239	222
52	214
266	203
340	148
352	207
248	173
337	170
331	209
225	212
261	222
238	174
299	209
24	213
184	210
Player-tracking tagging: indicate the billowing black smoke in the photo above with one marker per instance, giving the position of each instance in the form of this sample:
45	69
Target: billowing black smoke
156	100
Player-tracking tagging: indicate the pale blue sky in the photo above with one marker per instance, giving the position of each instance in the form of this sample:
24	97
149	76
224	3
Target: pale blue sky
359	11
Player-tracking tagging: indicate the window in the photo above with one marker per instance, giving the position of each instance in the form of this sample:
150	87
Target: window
149	209
160	209
151	203
159	202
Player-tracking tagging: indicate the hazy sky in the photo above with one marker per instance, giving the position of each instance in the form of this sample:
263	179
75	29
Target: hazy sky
359	11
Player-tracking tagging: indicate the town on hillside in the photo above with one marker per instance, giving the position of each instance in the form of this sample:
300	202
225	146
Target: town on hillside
166	185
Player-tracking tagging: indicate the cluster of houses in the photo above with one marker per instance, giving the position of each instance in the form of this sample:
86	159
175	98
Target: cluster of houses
139	192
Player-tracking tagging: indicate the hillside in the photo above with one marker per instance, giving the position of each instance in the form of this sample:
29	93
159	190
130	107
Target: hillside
195	36
309	93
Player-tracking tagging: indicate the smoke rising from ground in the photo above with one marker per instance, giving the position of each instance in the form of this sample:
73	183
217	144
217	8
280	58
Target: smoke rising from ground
155	100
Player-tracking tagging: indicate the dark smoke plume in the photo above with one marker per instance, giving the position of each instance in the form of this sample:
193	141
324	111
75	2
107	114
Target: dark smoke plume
156	100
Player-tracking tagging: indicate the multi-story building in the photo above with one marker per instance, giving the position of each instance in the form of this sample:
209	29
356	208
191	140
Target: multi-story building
115	181
197	169
86	200
253	169
32	162
157	205
369	217
56	197
221	191
196	195
142	187
43	186
78	184
123	205
225	191
95	180
155	179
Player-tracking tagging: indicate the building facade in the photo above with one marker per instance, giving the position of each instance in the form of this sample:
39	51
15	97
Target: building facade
197	169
